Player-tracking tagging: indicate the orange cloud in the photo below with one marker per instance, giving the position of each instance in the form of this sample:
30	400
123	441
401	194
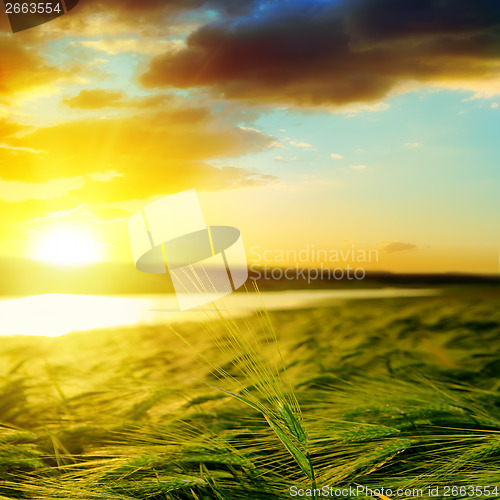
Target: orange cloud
95	99
157	150
145	18
9	128
22	69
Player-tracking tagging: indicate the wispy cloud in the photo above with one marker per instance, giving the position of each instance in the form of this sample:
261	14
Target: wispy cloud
114	47
95	99
21	149
301	144
18	191
397	246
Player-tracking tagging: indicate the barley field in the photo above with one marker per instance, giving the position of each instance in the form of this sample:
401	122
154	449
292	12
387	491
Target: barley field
396	393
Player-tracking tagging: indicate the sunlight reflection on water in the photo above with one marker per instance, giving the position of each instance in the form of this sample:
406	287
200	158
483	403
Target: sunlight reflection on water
53	315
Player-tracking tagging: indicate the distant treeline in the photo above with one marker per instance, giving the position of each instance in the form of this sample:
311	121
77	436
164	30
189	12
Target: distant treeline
24	277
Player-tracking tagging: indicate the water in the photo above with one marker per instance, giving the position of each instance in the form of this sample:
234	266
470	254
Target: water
55	314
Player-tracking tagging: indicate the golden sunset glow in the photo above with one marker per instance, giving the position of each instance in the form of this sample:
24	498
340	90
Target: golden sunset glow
67	246
329	146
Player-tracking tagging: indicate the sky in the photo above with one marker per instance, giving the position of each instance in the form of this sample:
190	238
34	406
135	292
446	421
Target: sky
362	124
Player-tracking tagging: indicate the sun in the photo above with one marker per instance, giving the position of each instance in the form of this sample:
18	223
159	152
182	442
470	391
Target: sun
67	246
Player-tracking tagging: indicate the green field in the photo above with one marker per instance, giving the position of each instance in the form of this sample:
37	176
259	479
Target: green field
400	393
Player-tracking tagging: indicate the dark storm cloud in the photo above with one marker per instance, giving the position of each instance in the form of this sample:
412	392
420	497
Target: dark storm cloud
319	52
389	19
